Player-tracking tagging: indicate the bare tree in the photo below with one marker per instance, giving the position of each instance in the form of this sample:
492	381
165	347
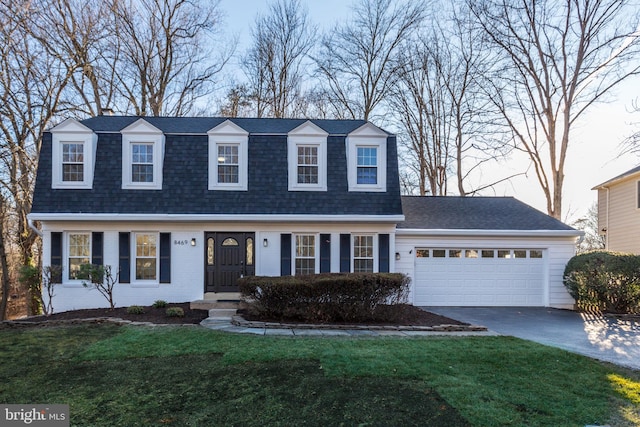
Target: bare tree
274	63
356	60
165	55
558	59
446	119
78	34
592	240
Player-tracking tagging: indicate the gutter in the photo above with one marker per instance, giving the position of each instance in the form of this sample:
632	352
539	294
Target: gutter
214	217
488	233
32	226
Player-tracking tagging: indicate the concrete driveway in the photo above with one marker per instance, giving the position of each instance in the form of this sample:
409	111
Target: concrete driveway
605	338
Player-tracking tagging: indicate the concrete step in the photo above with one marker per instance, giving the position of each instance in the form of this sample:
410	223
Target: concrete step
222	313
206	304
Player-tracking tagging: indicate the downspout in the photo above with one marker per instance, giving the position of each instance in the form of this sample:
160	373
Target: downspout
606	232
33	227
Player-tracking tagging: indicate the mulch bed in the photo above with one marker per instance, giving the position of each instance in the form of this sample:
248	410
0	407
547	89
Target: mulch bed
404	315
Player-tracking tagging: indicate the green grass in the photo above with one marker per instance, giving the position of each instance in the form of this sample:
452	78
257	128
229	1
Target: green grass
139	376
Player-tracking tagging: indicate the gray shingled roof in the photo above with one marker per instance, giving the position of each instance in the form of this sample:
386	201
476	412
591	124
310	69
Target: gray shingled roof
200	125
474	213
185	174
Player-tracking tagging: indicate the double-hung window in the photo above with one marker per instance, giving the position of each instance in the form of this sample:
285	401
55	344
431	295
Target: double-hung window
307	158
367	159
363	254
228	157
228	164
141	162
367	165
305	254
146	253
307	164
79	253
72	162
142	156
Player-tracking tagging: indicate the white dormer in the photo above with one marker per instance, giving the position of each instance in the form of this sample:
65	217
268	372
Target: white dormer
228	157
367	159
307	158
73	155
142	156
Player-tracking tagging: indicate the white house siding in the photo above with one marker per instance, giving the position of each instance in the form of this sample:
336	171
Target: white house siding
623	224
187	262
556	252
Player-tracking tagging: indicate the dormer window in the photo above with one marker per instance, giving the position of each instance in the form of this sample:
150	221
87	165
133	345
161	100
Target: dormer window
142	155
307	158
228	157
72	162
73	149
367	159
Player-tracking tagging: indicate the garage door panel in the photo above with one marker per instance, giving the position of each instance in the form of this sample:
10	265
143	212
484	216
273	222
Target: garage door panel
479	281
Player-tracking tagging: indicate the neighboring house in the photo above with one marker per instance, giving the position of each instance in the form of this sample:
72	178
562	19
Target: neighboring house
182	207
619	211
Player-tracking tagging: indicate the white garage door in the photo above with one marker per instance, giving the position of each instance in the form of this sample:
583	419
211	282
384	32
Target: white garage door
479	277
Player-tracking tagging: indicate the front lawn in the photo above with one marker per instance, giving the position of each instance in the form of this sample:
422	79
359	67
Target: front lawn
175	376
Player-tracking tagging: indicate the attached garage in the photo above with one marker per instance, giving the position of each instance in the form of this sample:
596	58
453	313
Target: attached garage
483	251
485	277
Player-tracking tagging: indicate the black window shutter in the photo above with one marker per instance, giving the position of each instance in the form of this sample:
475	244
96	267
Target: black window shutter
97	245
345	253
56	256
165	257
124	257
325	253
285	254
383	256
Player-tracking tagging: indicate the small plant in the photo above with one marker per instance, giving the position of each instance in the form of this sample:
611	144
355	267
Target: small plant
50	276
175	312
135	309
29	277
160	304
101	278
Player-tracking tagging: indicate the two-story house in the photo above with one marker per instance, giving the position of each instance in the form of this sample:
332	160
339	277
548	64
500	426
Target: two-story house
619	211
182	207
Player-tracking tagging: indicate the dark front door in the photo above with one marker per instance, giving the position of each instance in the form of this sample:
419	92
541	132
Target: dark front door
228	256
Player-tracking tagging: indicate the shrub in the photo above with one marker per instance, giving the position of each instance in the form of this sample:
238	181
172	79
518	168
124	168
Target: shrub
29	277
604	281
135	309
160	304
329	297
175	312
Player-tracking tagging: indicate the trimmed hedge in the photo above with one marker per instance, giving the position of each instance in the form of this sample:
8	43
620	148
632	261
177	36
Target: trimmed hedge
604	281
327	297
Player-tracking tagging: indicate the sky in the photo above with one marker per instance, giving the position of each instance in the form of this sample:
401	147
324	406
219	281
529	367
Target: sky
594	151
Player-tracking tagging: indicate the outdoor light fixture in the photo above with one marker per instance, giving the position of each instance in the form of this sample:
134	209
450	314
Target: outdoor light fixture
265	243
397	256
193	241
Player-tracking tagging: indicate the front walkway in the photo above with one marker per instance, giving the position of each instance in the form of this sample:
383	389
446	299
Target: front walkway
607	338
240	326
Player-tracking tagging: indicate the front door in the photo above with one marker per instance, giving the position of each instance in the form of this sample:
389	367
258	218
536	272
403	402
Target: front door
228	256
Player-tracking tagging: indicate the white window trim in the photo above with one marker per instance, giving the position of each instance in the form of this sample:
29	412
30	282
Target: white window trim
66	281
142	132
228	133
73	132
367	136
307	135
294	247
376	265
134	256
